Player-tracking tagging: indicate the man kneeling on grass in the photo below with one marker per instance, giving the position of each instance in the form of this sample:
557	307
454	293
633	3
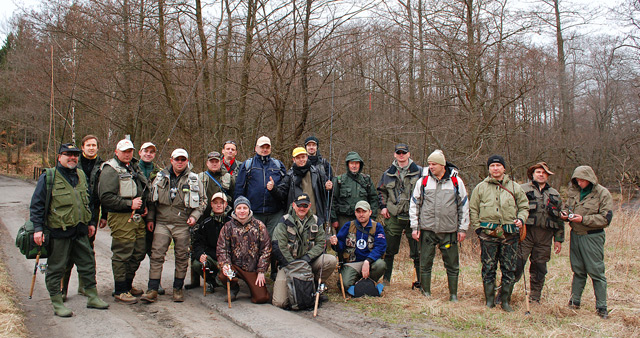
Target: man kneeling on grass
361	243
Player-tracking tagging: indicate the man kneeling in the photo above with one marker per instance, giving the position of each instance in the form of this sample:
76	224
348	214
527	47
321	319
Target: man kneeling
299	237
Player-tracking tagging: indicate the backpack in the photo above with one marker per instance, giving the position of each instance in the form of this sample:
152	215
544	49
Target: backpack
24	237
300	286
366	287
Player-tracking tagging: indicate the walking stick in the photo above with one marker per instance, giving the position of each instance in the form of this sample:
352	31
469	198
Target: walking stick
33	279
204	276
344	296
315	307
229	292
526	292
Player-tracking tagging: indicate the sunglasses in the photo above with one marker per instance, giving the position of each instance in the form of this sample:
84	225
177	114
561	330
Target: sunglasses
180	159
303	205
400	152
230	142
71	154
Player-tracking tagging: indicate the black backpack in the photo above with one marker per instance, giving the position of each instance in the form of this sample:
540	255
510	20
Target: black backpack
300	286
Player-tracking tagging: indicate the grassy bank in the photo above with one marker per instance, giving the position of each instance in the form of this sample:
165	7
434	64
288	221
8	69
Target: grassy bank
11	317
469	317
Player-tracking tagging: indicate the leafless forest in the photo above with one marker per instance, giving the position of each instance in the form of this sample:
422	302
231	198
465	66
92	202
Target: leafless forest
459	75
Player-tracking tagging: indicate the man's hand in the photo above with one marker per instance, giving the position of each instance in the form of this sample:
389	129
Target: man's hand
328	185
92	230
385	213
102	223
136	203
270	184
38	237
557	246
333	240
150	226
518	223
203	258
191	221
416	235
461	236
365	269
146	211
576	218
260	280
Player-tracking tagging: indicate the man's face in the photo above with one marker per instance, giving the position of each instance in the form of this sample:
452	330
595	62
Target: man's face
301	210
68	159
540	176
230	151
354	166
496	170
436	169
312	148
124	156
218	205
301	160
242	212
179	164
363	215
401	156
90	148
263	150
147	154
214	165
582	183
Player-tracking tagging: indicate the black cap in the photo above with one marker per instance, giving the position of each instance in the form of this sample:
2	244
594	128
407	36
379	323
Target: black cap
69	148
496	159
302	199
311	139
403	147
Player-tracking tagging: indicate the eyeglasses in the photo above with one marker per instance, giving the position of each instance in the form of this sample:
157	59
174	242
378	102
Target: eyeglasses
304	205
71	154
400	152
180	159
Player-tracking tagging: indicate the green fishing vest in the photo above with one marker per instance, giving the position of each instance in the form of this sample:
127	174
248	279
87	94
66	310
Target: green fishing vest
69	206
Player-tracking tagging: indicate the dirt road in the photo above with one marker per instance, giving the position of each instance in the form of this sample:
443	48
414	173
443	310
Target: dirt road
198	316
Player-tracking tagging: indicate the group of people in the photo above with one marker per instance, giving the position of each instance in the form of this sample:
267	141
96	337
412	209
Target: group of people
238	220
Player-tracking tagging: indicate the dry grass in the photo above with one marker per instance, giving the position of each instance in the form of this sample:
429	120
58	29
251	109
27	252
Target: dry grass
11	317
28	160
552	318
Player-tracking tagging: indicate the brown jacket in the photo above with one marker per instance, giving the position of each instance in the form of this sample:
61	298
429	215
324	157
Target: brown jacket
247	246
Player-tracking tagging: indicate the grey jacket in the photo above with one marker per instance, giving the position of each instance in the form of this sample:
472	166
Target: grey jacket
438	208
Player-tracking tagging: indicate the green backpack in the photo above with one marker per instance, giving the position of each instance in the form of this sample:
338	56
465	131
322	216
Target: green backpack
24	238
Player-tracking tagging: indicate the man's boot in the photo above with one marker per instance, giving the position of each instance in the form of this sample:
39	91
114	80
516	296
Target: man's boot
94	302
506	297
453	288
425	284
498	298
490	294
81	290
58	307
178	295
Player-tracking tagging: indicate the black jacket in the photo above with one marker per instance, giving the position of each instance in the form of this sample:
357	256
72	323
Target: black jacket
205	237
287	190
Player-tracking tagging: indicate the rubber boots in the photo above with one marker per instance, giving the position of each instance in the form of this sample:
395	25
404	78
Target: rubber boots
453	288
425	284
489	294
58	307
195	280
81	290
94	302
506	297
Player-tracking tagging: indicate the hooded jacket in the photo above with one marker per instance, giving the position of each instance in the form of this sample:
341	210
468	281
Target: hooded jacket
491	205
350	188
441	207
596	208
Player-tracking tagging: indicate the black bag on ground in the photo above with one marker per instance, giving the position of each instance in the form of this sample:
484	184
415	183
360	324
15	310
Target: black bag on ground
26	245
300	286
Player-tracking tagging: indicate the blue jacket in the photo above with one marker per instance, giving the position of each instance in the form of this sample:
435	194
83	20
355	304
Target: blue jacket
379	242
252	183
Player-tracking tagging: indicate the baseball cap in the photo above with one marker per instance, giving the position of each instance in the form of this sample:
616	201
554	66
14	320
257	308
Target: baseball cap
179	152
214	154
125	144
147	145
219	195
302	199
69	148
262	141
403	147
364	205
299	151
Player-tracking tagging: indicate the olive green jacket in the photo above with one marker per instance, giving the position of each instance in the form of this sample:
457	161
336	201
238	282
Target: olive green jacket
350	188
294	238
492	204
596	208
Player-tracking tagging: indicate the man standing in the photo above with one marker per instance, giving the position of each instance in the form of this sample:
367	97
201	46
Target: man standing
68	227
252	179
350	188
311	144
498	209
361	242
394	191
123	194
303	178
230	151
215	179
177	201
590	210
543	226
205	240
300	236
439	218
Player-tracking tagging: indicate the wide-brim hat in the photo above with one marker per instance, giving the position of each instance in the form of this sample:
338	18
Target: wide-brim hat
533	168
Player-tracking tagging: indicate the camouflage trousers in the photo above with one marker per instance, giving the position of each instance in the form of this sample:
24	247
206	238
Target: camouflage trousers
503	251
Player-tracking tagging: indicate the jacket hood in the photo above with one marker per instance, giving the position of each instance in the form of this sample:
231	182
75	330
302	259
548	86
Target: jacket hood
584	172
353	156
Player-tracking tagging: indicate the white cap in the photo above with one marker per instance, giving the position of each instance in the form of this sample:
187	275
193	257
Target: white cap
125	145
179	152
219	195
262	141
147	145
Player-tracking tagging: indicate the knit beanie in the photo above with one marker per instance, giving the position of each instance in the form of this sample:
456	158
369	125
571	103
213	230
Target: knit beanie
241	200
496	159
437	156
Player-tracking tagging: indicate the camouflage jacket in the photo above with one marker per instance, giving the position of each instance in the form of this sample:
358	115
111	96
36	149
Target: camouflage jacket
247	246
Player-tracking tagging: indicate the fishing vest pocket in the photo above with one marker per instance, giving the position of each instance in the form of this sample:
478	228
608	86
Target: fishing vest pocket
192	196
128	186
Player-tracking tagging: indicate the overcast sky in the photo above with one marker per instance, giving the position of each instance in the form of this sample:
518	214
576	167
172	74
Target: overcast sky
8	7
